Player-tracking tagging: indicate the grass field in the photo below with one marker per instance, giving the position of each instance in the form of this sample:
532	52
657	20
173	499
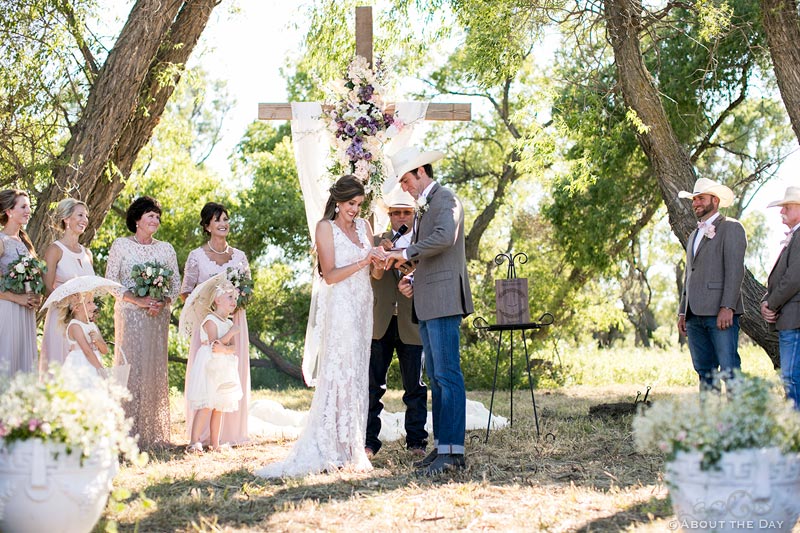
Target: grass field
581	474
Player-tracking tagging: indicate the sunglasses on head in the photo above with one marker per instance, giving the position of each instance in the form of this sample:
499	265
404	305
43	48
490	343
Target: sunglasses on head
404	212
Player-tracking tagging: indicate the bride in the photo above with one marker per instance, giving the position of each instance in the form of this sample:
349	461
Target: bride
338	340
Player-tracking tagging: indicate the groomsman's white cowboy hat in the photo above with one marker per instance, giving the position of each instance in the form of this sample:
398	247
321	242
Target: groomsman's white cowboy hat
792	196
396	198
707	186
411	158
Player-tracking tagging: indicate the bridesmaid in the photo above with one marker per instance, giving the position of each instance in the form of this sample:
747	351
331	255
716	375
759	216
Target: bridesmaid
141	324
17	311
204	262
66	258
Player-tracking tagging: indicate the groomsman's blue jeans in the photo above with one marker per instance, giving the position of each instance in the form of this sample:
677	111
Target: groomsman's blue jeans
441	344
789	343
712	348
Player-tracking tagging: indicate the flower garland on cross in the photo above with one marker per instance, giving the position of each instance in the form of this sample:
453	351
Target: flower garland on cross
357	119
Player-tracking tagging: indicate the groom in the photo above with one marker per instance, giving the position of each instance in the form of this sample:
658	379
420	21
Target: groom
441	298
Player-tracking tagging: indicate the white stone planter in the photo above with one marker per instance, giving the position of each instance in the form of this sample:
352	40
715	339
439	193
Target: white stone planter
44	489
753	490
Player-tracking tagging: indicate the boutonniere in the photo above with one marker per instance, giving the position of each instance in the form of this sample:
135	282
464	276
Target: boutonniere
422	205
709	231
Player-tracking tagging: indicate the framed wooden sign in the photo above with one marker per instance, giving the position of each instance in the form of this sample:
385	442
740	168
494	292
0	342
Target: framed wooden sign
511	301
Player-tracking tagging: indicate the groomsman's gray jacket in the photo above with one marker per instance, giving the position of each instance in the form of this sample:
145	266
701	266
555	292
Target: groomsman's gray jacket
441	284
714	275
783	286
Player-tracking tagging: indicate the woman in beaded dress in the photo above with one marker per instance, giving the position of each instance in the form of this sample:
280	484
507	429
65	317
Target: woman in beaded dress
141	324
213	257
66	258
17	311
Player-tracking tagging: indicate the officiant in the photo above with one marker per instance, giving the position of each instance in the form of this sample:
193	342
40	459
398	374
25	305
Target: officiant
393	331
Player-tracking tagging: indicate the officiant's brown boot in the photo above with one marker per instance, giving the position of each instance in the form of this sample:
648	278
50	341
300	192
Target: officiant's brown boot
430	458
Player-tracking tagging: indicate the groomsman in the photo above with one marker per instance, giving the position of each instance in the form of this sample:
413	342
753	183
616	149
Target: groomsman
711	302
781	305
393	331
441	298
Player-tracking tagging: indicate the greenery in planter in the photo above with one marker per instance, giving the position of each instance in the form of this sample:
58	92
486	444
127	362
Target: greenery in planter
753	414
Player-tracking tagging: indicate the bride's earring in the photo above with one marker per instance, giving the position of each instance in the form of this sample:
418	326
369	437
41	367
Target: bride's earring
336	210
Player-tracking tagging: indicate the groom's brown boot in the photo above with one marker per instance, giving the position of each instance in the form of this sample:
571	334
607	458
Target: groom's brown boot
430	458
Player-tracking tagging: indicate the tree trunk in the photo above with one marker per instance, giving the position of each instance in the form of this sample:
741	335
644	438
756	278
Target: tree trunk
782	26
124	105
670	161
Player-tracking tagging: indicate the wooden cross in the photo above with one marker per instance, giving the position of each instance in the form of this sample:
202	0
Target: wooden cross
436	111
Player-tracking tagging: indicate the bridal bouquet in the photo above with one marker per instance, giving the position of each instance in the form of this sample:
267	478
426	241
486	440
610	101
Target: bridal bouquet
243	282
25	274
357	118
151	279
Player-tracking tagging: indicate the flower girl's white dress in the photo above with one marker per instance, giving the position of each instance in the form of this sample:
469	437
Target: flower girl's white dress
214	380
76	361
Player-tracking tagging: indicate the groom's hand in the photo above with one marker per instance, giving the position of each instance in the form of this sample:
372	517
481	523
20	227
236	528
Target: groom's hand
394	259
406	286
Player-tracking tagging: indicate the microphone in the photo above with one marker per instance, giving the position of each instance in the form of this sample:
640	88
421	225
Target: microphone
400	232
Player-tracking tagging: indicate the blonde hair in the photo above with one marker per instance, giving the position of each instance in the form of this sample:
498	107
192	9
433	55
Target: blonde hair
65	312
64	210
223	288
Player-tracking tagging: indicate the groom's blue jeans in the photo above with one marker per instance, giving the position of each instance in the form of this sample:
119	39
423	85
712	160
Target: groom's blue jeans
440	342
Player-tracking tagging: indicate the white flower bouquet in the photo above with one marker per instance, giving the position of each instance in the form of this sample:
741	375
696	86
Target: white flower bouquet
753	414
243	283
25	274
57	408
151	279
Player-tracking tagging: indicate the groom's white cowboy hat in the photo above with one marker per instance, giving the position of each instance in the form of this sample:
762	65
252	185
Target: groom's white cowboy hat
396	198
707	186
411	158
792	196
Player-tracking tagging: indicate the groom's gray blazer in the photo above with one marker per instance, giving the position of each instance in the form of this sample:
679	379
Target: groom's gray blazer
441	284
783	286
714	274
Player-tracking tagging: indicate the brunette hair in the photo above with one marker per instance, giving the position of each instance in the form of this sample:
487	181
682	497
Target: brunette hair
8	200
138	208
346	188
64	210
210	212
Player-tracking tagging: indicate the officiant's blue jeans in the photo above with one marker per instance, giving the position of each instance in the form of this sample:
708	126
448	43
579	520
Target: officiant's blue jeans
712	349
441	339
789	343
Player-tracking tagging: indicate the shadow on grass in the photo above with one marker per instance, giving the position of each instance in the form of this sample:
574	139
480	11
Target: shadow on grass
635	515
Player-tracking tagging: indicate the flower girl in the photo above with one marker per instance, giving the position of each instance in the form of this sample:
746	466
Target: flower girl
84	341
214	386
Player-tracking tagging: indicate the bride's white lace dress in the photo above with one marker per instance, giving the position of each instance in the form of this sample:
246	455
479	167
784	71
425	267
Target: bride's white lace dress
335	430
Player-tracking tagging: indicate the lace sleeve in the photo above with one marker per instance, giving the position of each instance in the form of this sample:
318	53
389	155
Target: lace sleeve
114	263
172	264
191	273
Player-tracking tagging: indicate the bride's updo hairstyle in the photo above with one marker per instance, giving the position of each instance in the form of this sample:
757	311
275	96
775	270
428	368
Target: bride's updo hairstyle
346	188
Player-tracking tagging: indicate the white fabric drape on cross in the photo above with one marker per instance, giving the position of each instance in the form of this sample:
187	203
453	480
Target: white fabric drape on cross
312	149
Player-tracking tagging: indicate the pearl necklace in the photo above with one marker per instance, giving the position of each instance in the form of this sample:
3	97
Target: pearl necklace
223	252
142	243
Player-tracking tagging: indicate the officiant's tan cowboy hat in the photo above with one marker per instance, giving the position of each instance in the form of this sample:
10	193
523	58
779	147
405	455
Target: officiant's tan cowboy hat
396	198
792	196
411	158
707	186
